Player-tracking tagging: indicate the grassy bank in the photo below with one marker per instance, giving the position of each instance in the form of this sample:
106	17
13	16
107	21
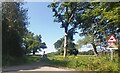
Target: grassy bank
20	61
85	63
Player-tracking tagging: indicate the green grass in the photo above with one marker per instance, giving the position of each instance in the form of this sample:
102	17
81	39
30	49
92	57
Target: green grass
80	63
20	61
32	59
85	63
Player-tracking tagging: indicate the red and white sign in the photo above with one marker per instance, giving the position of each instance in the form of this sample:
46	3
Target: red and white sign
112	46
112	39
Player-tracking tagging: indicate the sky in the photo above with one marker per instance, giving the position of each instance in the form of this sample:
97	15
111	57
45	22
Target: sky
41	22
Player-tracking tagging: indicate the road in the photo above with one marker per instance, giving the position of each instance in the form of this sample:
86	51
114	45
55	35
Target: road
34	67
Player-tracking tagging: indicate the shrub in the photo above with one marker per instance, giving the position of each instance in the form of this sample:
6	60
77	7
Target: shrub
83	63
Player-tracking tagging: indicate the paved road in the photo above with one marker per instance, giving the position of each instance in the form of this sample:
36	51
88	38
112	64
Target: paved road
35	67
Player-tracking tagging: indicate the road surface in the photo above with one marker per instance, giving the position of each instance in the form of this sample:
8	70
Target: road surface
34	67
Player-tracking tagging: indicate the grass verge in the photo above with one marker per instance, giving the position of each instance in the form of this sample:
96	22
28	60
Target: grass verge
20	61
85	63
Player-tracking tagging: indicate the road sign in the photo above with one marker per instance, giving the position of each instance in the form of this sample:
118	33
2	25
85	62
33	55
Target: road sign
112	46
112	39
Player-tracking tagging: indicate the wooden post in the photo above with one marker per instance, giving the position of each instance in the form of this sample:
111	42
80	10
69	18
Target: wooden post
111	54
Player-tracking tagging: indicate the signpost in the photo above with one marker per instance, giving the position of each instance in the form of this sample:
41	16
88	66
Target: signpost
112	40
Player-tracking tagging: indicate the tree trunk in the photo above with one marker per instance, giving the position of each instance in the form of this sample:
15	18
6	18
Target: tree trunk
94	46
65	43
33	52
94	49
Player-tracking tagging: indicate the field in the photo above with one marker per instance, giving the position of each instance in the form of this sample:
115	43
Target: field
85	63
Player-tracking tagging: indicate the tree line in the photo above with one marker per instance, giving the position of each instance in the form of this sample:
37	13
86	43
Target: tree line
96	21
17	40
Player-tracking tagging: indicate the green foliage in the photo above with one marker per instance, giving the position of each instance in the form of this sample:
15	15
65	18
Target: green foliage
32	42
85	63
14	22
11	61
64	14
100	19
53	54
16	40
59	43
43	45
86	40
89	52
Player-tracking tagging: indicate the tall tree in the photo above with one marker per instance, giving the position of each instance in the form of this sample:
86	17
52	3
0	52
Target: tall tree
96	19
64	13
14	22
100	20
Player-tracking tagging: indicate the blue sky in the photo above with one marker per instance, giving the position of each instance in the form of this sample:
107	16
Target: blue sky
41	22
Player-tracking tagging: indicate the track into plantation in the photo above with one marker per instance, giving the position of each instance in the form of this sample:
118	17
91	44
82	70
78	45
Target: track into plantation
34	67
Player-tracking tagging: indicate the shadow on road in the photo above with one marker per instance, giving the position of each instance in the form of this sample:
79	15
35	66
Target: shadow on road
42	63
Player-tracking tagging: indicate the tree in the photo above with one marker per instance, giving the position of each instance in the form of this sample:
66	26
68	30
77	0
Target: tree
36	43
59	45
100	20
64	14
89	24
14	26
14	22
88	39
32	42
73	52
96	19
43	46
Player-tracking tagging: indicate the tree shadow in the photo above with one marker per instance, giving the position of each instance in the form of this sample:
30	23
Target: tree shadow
56	63
42	63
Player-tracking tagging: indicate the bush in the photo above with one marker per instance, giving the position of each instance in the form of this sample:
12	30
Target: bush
86	63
